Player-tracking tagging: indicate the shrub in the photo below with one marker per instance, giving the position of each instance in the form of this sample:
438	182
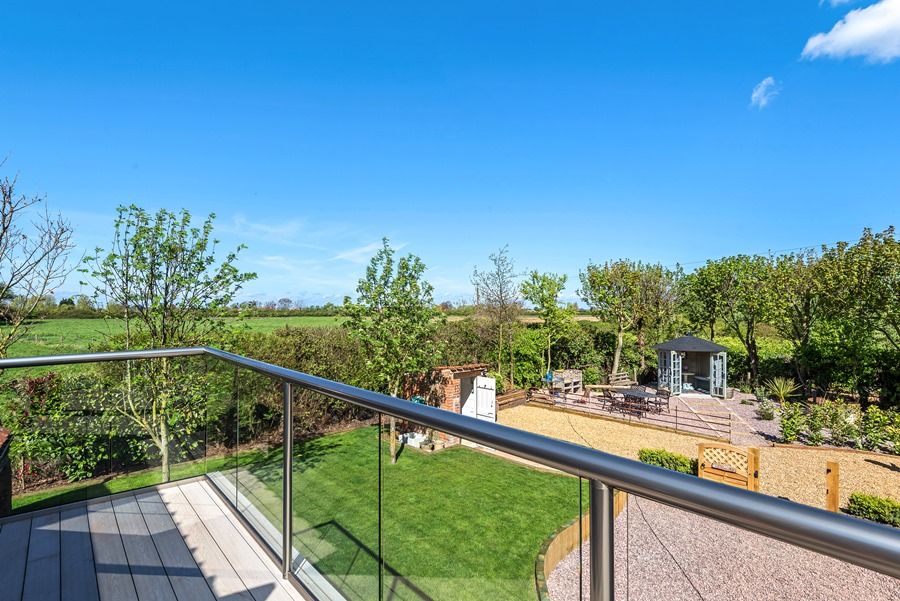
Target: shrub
893	432
792	421
875	423
876	509
815	421
590	375
501	381
781	388
58	424
766	410
842	420
669	460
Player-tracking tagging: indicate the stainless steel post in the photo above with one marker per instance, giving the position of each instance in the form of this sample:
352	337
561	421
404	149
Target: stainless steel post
288	446
602	542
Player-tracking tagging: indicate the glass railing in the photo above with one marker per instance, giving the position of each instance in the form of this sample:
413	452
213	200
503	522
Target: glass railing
89	430
458	508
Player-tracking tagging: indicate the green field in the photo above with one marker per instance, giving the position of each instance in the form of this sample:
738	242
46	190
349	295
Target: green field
59	336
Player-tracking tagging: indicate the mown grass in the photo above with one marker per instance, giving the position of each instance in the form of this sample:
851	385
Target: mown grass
457	524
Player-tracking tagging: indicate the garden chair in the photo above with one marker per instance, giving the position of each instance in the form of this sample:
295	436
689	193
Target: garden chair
662	398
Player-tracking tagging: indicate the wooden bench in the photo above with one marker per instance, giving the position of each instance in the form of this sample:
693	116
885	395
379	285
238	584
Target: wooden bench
620	379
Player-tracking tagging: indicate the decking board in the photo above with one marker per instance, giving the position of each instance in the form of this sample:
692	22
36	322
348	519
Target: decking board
42	570
154	545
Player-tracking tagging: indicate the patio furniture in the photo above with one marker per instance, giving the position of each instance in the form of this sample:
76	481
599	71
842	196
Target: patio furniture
662	397
637	401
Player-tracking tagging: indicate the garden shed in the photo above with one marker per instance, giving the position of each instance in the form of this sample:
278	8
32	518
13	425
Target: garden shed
689	363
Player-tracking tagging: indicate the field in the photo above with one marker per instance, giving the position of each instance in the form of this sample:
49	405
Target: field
59	336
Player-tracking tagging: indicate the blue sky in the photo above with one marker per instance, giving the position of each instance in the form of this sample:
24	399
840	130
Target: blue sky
659	131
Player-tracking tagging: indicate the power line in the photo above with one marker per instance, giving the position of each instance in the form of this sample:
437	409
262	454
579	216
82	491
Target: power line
770	251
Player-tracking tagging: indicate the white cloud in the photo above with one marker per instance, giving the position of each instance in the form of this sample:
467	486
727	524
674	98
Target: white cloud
872	32
764	92
361	254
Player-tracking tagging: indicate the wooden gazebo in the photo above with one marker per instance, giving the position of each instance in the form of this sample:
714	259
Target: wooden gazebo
689	363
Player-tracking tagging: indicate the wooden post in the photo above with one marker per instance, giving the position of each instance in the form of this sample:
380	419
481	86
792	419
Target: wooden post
832	486
753	469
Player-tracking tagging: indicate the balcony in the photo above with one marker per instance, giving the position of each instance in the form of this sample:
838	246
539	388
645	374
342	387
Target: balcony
251	513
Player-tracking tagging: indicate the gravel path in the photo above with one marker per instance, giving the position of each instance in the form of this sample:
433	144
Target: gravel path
796	474
749	430
665	554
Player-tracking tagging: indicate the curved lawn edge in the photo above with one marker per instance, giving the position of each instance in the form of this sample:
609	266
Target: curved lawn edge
564	541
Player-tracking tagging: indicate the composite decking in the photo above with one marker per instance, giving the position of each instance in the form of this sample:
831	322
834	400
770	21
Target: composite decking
175	543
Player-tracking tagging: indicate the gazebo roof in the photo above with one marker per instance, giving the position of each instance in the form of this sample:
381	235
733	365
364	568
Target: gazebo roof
690	344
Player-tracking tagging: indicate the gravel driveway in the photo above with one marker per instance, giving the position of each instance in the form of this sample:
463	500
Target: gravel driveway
797	474
665	554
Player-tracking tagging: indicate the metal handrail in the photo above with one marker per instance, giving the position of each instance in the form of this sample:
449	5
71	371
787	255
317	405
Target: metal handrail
849	539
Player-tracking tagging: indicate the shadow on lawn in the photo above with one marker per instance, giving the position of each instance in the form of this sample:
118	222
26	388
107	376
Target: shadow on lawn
397	580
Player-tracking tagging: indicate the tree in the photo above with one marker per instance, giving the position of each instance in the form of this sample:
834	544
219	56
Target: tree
395	320
612	291
747	300
657	302
499	296
542	290
284	304
797	285
35	248
165	274
864	283
702	296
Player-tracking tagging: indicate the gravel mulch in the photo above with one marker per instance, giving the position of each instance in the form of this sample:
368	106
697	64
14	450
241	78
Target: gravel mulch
796	474
665	554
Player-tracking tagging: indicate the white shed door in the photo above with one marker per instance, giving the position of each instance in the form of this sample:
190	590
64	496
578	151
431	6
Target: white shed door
486	398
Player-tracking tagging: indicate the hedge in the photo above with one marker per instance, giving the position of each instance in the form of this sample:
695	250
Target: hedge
876	509
669	460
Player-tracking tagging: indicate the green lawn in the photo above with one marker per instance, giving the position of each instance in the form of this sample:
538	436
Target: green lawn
458	524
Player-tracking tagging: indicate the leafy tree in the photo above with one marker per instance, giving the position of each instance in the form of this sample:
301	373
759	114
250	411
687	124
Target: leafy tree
284	304
35	248
612	291
656	306
702	296
542	290
864	284
797	285
173	290
395	320
498	295
742	287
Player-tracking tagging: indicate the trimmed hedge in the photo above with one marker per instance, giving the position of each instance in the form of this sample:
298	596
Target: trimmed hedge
876	509
669	460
